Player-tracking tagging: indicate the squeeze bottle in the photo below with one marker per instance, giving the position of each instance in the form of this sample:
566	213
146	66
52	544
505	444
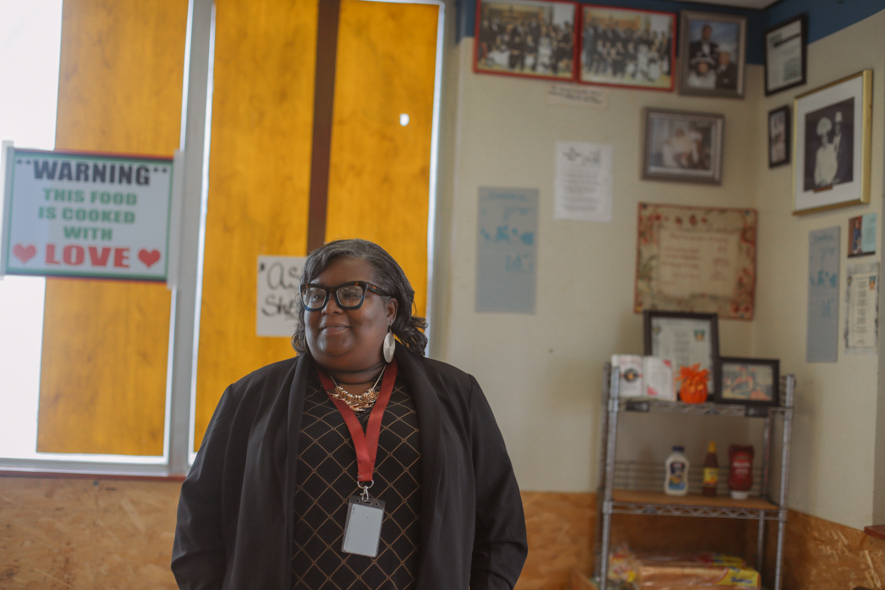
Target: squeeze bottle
676	476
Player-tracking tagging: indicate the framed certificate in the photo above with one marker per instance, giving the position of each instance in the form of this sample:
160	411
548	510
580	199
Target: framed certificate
684	339
786	54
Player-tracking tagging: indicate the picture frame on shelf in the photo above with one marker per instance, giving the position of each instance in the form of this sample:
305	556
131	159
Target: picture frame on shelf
831	144
779	136
786	55
712	54
749	382
685	339
627	48
682	146
527	38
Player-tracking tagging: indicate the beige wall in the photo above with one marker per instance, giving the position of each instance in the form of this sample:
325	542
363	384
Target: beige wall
542	372
835	425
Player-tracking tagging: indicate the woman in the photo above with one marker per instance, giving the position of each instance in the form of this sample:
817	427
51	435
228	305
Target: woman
268	500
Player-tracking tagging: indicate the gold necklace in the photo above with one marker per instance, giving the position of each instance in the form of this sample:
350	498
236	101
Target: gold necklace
357	401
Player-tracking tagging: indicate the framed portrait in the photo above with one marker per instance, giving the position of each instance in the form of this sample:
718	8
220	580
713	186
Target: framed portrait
682	146
831	144
749	382
684	339
786	48
627	47
712	52
779	136
528	38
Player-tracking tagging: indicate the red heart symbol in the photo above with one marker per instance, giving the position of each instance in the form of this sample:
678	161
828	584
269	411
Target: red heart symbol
24	253
149	257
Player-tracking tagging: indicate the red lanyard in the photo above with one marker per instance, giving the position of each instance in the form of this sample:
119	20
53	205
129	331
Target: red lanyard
366	445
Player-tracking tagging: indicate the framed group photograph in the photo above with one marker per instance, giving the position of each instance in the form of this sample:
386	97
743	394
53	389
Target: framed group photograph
627	47
682	146
779	136
712	49
786	55
684	339
832	144
528	38
750	382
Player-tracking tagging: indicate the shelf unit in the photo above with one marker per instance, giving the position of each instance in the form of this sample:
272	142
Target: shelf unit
632	487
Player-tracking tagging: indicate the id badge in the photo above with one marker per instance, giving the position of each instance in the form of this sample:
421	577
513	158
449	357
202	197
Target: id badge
362	529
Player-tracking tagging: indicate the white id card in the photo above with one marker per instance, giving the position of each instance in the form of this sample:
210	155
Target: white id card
362	529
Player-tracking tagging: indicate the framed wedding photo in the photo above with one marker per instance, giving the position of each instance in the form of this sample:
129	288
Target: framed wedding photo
779	136
786	50
682	146
628	48
684	339
831	144
527	38
712	53
749	382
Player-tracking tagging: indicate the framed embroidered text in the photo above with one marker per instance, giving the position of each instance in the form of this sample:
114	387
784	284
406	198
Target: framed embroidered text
696	259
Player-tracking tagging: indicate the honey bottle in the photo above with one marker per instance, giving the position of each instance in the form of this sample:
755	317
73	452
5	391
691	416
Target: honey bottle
711	471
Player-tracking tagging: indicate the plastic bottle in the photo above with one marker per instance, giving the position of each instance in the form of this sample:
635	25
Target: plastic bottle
740	473
676	476
711	470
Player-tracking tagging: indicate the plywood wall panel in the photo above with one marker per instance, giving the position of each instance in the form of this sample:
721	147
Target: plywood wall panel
82	533
259	174
105	343
379	176
823	555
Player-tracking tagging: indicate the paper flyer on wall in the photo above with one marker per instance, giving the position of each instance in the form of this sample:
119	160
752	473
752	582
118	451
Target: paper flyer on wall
862	315
583	182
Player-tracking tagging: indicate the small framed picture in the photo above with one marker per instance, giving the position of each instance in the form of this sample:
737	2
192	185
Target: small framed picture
712	53
750	382
786	47
831	141
627	47
528	38
779	136
682	146
684	339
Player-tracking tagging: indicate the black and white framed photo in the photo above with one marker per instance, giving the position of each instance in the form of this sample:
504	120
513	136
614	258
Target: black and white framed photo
779	136
712	54
684	339
683	146
832	129
749	382
526	38
786	55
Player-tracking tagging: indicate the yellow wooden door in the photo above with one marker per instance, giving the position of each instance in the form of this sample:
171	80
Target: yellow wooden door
261	155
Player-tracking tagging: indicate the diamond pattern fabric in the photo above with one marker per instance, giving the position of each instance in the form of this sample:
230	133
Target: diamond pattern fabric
327	478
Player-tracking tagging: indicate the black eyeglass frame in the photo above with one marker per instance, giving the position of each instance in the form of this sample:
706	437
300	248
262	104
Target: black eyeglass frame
366	286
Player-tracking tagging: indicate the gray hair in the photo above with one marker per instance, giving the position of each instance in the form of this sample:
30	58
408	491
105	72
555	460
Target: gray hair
386	274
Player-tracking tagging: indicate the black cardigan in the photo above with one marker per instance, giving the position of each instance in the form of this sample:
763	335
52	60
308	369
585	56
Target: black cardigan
235	515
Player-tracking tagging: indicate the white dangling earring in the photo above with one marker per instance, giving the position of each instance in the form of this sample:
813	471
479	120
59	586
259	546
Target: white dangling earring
389	346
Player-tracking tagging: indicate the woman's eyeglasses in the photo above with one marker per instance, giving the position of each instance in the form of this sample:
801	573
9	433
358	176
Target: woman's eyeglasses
348	295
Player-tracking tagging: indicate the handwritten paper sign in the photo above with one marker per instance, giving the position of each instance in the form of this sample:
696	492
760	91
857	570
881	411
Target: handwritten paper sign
279	278
86	215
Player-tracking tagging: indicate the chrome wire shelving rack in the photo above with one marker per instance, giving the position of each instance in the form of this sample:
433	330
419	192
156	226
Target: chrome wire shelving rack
634	487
